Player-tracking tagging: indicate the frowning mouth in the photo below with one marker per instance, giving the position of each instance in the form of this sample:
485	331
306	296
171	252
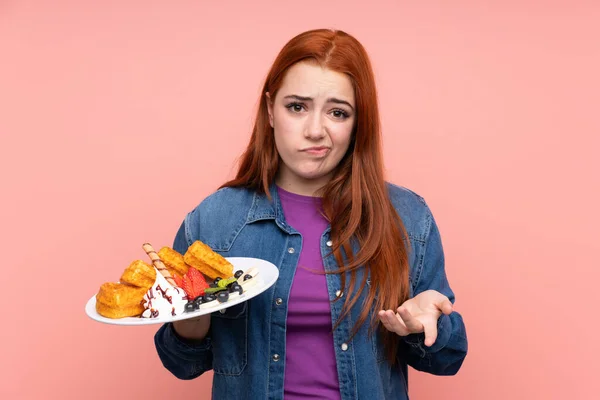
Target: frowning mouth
317	150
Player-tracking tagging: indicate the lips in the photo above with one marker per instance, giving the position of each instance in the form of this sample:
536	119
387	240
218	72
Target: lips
317	150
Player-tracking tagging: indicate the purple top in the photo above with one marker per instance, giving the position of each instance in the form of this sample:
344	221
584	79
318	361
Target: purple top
310	367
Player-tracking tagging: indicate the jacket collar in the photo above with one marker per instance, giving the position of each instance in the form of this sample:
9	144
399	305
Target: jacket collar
262	208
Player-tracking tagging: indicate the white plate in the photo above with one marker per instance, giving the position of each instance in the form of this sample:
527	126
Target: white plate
267	275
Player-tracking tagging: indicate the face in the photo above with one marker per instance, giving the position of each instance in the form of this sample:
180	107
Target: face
312	117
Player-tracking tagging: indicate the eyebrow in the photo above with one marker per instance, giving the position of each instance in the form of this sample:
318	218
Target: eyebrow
329	100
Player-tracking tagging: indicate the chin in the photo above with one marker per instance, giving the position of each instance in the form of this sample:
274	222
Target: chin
311	176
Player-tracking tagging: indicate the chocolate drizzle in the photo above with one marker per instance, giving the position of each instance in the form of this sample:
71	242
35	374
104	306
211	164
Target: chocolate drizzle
179	290
164	294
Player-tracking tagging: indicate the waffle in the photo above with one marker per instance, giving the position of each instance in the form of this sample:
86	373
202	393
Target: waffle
139	274
205	260
117	300
173	261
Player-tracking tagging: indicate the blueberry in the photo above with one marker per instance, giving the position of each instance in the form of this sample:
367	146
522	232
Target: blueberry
209	297
236	288
238	273
223	296
247	276
190	306
217	279
199	300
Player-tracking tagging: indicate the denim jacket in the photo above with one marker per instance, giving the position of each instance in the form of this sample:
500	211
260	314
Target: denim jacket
245	347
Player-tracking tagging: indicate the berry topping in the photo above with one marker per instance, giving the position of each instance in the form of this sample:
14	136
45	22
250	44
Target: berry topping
236	287
238	273
190	306
222	297
194	283
208	297
178	280
247	276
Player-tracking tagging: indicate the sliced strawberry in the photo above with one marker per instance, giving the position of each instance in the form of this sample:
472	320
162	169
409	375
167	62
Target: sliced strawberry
193	283
178	280
186	285
198	282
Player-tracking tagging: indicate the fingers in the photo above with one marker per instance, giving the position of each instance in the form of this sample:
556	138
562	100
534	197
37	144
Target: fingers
404	323
413	325
393	323
430	329
446	306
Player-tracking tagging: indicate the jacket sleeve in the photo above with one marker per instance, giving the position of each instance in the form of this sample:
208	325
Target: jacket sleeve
184	358
447	354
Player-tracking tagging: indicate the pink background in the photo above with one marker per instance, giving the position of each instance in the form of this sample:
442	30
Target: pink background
118	117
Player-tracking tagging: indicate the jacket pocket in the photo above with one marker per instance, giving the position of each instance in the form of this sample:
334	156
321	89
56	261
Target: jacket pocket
229	337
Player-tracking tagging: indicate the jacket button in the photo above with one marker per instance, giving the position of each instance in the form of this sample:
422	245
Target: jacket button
291	250
339	293
275	357
329	243
279	301
344	347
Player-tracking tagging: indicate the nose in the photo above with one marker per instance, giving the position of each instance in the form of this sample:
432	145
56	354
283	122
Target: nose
316	128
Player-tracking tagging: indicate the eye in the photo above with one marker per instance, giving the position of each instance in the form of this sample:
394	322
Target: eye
295	107
340	114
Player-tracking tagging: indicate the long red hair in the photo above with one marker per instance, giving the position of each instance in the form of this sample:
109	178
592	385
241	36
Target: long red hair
355	200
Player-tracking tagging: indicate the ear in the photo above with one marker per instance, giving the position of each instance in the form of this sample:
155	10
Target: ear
269	107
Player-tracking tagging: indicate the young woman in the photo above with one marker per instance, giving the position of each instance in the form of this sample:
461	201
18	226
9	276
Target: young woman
362	290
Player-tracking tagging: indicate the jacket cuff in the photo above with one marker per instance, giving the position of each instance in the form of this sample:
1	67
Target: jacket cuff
182	345
417	340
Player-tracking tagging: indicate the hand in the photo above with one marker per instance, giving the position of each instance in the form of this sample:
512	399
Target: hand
193	328
419	314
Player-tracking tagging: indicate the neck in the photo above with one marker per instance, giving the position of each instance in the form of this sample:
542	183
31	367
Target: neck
298	185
